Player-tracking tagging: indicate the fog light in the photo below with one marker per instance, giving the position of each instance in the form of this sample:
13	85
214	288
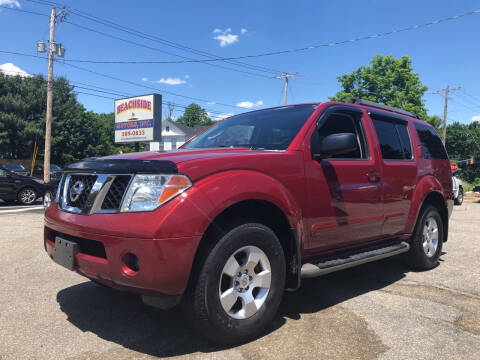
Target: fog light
131	263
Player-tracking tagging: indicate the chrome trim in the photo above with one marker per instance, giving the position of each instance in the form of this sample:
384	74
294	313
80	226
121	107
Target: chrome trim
99	191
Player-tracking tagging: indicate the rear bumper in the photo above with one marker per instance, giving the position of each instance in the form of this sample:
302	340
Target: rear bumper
164	263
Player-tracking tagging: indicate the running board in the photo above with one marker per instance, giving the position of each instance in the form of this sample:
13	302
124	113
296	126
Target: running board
344	261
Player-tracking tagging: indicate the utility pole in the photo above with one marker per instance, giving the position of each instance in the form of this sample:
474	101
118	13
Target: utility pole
285	88
52	49
446	91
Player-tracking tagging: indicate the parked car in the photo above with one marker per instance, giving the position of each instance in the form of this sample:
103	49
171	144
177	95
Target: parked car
16	168
457	190
247	209
24	189
55	171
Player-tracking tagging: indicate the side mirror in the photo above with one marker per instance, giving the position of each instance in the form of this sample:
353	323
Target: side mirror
337	144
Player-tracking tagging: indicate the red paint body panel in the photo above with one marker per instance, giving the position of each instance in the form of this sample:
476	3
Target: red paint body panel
331	204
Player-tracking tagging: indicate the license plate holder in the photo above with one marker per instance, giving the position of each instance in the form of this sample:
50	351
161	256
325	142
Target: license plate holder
65	252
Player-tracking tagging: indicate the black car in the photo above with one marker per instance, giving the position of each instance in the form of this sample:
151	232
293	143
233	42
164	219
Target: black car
15	168
55	172
25	189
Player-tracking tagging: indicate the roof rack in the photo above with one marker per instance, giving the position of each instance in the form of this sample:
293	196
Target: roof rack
358	101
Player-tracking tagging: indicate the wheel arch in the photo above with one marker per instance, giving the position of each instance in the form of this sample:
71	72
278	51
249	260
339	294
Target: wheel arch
436	199
253	210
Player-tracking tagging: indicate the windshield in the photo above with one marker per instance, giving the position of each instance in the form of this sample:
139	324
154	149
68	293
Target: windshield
14	167
270	129
55	168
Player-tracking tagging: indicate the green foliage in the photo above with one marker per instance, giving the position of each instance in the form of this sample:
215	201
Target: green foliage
195	115
386	80
463	142
76	133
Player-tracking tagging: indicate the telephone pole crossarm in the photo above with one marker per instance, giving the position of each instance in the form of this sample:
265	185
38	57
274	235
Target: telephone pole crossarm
285	76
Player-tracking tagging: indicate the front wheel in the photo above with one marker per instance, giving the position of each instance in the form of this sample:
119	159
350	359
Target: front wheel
240	285
27	196
427	240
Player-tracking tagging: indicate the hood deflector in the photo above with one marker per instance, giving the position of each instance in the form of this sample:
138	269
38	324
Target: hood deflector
113	166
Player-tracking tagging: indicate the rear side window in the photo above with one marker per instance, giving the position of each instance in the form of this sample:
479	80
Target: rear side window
393	137
432	146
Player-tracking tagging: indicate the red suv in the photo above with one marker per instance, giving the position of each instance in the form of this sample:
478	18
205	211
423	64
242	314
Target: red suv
242	212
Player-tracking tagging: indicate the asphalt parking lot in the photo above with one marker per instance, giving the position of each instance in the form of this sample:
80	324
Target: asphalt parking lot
376	311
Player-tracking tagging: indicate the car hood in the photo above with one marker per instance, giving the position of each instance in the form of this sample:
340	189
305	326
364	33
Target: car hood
198	163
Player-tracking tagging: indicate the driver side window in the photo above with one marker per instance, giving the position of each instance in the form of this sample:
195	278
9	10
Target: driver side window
345	122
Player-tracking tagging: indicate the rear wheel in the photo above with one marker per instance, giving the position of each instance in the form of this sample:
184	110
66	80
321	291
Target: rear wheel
459	199
427	240
27	196
240	285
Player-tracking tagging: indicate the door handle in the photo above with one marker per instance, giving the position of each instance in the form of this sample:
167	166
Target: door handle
373	176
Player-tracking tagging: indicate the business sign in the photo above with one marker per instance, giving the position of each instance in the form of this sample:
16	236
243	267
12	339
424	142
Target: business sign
453	166
138	118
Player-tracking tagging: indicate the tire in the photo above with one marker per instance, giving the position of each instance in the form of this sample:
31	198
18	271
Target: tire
27	196
203	304
427	240
459	198
47	199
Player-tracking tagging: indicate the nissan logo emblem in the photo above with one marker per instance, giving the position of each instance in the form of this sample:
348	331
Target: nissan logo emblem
76	190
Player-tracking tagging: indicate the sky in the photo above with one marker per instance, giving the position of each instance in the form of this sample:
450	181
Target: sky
444	54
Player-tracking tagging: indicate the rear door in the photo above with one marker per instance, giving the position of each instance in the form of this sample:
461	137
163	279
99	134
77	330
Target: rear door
399	171
343	205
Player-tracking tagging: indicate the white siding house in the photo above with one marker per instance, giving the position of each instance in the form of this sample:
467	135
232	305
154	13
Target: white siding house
174	135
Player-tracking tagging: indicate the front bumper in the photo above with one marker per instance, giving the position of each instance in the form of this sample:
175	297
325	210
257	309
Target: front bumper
164	263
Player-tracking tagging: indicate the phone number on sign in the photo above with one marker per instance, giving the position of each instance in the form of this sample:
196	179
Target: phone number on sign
133	133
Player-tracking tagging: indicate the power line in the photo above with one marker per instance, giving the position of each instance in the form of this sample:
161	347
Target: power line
95	88
342	42
123	80
155	38
165	42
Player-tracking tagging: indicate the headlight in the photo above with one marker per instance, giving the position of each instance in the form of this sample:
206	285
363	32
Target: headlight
148	192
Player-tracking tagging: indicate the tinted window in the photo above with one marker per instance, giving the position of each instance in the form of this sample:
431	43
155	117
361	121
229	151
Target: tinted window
389	139
345	123
432	146
272	129
402	129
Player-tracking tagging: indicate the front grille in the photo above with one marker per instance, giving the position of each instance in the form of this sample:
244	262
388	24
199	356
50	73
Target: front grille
113	199
93	193
88	182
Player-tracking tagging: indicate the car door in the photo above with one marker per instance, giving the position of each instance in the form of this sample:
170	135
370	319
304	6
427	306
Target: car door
343	203
399	169
7	184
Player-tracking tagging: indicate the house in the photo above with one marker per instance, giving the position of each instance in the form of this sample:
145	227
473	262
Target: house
174	135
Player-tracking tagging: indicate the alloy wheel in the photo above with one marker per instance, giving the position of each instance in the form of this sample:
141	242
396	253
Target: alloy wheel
430	236
245	282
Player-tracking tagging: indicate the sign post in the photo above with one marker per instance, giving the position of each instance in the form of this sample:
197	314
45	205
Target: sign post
138	119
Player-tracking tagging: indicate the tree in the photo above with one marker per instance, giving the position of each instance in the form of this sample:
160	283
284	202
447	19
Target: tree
386	80
463	142
195	115
76	133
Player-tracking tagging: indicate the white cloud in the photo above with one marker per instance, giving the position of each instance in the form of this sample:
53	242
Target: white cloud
12	70
187	76
226	37
249	104
211	103
243	30
476	118
222	116
171	81
144	79
10	3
